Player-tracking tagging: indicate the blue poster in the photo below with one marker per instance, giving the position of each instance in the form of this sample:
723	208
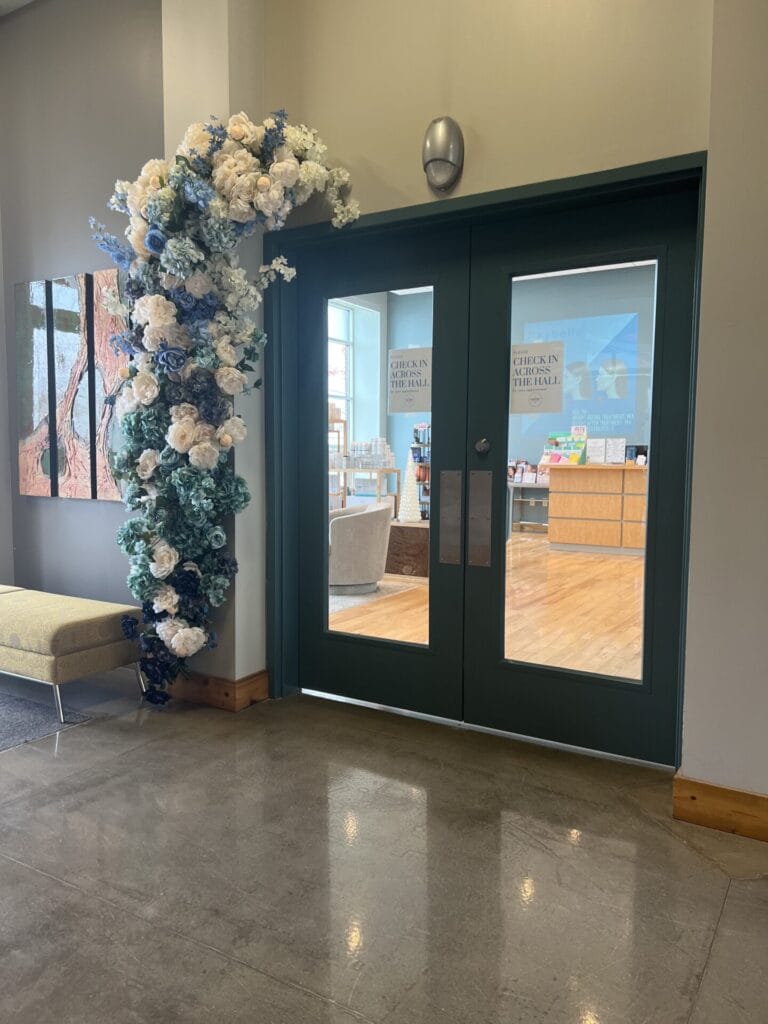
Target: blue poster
600	385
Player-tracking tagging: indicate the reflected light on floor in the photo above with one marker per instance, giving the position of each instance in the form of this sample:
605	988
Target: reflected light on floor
351	828
354	937
574	836
527	891
589	1017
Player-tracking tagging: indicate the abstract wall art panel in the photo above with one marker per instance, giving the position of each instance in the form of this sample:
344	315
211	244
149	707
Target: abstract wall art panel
107	365
35	455
70	345
66	369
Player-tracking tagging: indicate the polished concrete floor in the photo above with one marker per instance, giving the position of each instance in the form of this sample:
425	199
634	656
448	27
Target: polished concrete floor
308	862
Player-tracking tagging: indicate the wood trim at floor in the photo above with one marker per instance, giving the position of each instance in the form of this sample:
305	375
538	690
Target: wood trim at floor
728	810
227	694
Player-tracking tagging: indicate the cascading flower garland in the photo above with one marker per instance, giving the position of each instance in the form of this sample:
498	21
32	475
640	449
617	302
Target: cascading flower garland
192	344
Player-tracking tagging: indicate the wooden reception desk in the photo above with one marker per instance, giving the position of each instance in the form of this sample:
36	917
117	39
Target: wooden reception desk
598	506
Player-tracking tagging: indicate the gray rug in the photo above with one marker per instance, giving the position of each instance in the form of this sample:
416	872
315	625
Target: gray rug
340	603
23	720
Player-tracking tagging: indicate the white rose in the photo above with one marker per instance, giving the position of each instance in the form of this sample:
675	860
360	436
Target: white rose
285	171
234	428
165	559
241	129
154	173
165	599
181	434
185	411
198	284
264	183
241	211
186	642
230	380
126	402
204	455
147	463
226	352
195	142
143	361
136	233
145	387
136	199
154	310
168	628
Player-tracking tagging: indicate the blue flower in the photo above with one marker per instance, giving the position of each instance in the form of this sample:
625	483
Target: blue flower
183	299
130	627
122	255
217	538
155	240
198	192
170	359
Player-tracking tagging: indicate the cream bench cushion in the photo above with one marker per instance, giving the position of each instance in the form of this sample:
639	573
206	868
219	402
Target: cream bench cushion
54	639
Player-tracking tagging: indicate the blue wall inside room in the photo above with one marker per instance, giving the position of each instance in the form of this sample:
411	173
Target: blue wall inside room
409	325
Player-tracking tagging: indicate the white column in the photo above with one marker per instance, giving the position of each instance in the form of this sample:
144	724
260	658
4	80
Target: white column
726	698
213	60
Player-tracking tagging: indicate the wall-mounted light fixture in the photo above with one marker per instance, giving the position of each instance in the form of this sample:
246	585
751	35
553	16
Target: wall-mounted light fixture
442	154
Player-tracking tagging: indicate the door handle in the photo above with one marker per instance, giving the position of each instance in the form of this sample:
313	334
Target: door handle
479	512
450	498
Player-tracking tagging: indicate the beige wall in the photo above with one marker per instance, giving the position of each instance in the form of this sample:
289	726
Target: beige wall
542	88
725	721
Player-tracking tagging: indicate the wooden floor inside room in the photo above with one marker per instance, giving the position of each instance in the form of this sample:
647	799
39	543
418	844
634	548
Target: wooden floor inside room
569	609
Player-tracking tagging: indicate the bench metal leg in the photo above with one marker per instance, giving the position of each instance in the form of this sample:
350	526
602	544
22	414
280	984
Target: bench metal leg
139	677
57	699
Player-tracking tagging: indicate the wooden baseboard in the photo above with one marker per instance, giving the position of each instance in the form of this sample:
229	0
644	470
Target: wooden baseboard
227	694
728	810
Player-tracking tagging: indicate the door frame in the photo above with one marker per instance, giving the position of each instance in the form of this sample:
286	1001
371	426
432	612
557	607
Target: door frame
281	369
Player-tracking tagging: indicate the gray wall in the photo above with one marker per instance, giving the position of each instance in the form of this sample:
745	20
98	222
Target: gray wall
81	82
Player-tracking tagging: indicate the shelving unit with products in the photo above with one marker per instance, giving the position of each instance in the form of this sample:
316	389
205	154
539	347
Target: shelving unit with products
421	450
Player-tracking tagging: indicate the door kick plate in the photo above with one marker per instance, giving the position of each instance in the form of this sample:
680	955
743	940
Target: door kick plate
479	511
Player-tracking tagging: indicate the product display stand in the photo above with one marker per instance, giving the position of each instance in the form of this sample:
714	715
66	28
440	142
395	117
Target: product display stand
410	509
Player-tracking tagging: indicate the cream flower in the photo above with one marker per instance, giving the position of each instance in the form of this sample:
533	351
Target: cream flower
196	141
169	281
165	599
154	310
143	361
168	628
185	411
147	463
234	428
164	559
188	641
198	284
285	171
264	183
136	233
242	129
181	434
204	455
230	380
226	352
126	402
204	432
154	174
145	387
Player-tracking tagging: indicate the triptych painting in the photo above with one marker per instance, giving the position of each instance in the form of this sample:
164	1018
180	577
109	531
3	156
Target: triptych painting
66	368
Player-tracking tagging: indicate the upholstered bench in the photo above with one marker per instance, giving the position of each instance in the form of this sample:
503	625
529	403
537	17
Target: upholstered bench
53	639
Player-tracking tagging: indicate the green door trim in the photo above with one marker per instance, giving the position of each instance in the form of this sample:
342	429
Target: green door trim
281	367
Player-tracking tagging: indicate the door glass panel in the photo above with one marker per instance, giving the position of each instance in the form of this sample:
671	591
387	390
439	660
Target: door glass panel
379	464
581	374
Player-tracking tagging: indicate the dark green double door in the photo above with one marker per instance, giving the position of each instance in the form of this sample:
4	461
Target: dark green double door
565	317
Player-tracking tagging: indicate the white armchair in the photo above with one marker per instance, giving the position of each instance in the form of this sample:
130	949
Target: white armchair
358	542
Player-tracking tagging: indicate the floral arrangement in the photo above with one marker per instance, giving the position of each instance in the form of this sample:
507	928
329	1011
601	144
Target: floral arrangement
193	343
